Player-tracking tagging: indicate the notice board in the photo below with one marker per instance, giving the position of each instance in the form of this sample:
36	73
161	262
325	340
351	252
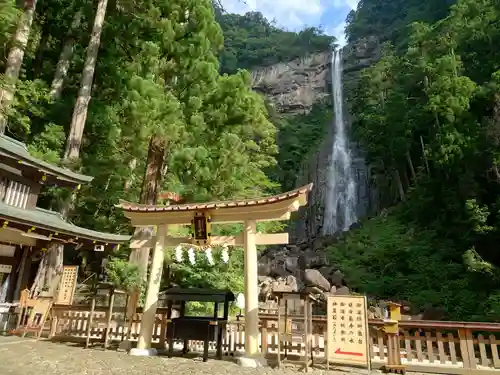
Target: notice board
347	331
67	285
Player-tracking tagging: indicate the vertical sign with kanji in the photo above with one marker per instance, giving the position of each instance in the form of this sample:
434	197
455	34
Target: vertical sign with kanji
67	285
347	330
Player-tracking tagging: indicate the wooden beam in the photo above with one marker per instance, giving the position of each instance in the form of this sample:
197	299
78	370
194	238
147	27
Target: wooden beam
260	239
16	237
269	212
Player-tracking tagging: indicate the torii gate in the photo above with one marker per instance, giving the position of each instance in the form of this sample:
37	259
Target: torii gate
249	211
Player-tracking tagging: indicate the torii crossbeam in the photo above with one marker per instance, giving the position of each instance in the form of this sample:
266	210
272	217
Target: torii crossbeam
248	212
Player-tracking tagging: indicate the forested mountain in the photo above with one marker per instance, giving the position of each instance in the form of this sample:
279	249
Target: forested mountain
251	41
427	114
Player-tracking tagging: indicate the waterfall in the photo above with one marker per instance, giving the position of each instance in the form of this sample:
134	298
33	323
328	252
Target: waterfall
340	202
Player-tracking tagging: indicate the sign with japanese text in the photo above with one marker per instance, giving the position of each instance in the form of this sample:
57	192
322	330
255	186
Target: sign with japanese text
5	268
347	330
67	285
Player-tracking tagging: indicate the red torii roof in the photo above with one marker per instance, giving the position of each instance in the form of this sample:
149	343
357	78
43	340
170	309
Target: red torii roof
268	208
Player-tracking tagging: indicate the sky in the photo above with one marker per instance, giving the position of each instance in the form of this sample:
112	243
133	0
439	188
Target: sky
294	15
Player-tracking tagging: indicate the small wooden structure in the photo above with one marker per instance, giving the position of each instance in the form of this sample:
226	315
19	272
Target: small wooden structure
392	316
110	291
206	328
27	232
289	332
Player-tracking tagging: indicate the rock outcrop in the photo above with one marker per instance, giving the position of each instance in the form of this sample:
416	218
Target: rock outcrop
300	267
294	86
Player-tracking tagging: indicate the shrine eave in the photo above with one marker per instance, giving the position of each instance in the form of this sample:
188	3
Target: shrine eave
50	224
277	207
17	153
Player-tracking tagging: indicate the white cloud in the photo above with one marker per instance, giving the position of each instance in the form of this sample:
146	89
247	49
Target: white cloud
295	14
291	14
337	32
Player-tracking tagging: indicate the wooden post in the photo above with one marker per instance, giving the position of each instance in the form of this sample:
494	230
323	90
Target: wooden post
53	324
154	280
89	323
263	337
22	271
467	349
163	330
109	317
279	333
251	290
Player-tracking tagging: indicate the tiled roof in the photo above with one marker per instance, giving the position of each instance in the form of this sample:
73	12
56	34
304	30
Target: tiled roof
11	148
50	220
133	207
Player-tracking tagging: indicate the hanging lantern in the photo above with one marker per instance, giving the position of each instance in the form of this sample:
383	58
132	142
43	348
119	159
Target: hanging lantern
178	253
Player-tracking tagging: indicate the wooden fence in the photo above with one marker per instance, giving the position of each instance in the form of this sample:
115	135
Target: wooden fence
426	346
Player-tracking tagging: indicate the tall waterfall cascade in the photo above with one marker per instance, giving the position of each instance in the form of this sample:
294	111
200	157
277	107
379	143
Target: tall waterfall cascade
340	201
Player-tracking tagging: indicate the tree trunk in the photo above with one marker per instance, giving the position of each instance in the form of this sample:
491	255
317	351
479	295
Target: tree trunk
15	60
65	58
399	185
54	261
423	155
149	193
50	267
410	165
128	183
74	140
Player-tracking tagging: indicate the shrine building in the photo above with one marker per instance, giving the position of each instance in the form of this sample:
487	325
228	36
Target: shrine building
26	231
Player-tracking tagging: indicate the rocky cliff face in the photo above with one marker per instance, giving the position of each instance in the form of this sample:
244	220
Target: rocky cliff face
293	87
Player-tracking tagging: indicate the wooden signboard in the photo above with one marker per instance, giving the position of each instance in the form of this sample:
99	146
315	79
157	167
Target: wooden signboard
347	330
201	228
5	268
67	285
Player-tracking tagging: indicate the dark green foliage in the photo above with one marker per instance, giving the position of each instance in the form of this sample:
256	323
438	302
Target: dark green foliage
123	275
389	19
298	137
251	41
391	259
431	105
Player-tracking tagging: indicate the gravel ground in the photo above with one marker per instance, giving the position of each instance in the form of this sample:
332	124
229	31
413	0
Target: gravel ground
28	357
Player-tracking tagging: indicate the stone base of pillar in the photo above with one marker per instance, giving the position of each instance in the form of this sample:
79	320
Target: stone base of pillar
125	346
254	361
143	352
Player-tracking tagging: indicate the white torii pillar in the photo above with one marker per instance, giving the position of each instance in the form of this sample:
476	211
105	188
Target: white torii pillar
153	288
249	239
251	290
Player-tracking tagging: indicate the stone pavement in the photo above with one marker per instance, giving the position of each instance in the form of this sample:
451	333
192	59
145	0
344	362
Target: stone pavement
28	357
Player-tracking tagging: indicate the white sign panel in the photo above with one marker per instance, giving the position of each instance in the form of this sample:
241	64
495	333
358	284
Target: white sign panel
347	330
5	268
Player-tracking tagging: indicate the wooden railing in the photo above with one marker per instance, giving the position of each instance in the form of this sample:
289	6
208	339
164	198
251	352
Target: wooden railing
426	346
